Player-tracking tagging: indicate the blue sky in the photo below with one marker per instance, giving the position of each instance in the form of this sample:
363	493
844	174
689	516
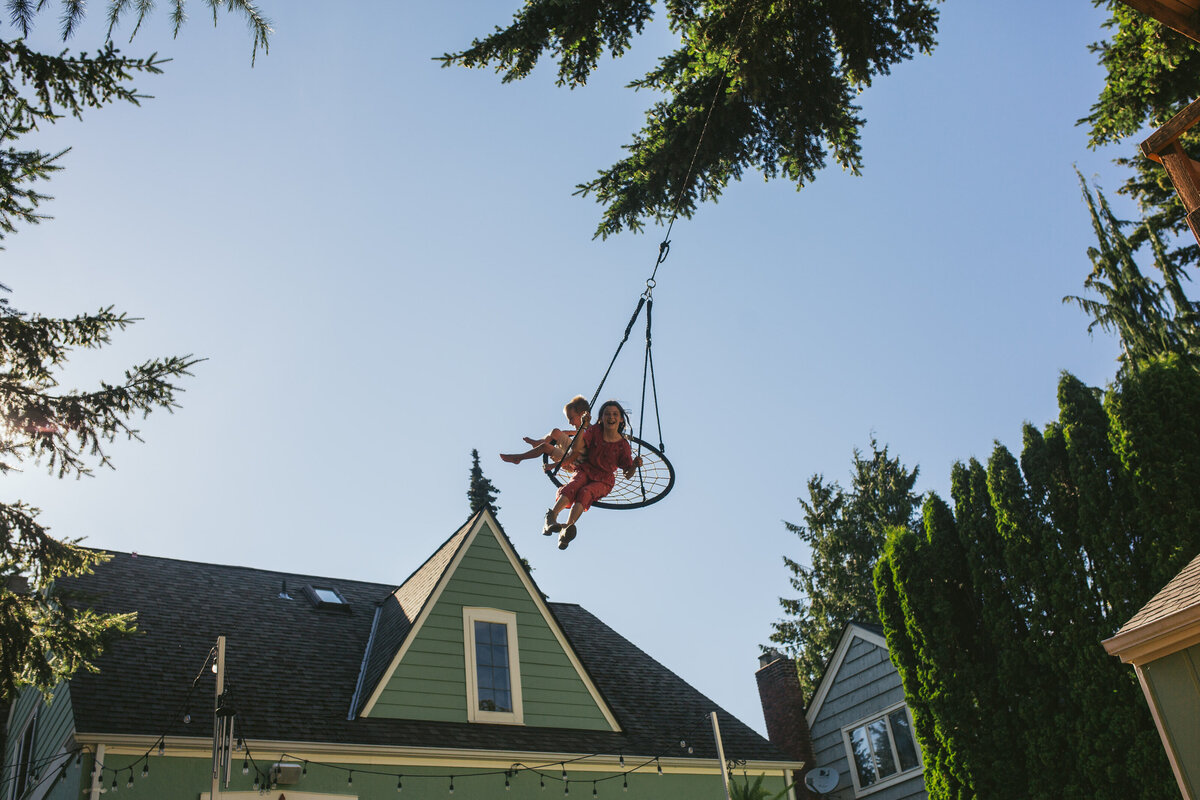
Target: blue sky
383	264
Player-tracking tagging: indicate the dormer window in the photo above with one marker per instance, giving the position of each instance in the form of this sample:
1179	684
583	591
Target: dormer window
493	666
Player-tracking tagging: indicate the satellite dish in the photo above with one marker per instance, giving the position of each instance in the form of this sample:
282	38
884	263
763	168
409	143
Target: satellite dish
822	780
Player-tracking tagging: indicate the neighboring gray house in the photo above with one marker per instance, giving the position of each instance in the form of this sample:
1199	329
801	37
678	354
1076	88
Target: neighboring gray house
860	725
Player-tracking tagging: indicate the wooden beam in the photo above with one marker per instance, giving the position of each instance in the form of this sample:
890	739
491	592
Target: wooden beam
1165	136
1176	21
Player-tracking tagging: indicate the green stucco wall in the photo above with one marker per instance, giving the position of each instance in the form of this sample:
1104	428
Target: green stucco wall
174	778
1175	683
430	683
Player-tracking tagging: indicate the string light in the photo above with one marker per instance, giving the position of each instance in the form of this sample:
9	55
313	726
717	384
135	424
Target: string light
304	770
566	787
451	784
506	786
113	788
541	781
187	719
621	760
399	783
129	783
659	766
162	745
625	783
564	769
256	782
245	766
350	778
594	793
146	768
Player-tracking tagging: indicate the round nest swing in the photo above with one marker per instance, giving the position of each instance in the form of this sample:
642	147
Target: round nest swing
648	485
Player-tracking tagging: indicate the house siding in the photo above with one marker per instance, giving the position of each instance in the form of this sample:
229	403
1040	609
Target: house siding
55	726
865	684
1173	680
430	681
181	778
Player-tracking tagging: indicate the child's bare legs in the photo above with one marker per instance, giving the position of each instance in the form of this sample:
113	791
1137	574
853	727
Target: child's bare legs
516	458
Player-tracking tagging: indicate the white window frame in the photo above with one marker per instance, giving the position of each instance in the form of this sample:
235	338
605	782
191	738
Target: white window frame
509	620
28	729
901	774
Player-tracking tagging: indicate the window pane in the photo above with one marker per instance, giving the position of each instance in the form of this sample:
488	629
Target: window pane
885	763
491	667
902	733
862	757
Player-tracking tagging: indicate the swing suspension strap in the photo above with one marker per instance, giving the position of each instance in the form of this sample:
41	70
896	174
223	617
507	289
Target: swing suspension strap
628	328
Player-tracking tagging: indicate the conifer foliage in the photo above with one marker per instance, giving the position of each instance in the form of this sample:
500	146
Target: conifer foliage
784	77
994	610
43	637
845	532
481	493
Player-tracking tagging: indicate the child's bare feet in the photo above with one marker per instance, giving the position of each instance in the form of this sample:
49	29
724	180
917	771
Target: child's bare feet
510	458
531	441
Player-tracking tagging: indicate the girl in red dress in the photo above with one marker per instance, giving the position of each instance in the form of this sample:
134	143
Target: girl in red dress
607	450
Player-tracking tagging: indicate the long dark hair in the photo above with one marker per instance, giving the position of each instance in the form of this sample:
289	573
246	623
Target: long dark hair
599	418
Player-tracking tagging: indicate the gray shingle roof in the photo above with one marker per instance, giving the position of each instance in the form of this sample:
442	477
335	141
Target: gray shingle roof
1183	591
292	668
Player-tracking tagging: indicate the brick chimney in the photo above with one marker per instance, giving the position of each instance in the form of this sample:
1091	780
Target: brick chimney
783	709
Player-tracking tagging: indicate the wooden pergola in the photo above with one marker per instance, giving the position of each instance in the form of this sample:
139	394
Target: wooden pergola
1182	16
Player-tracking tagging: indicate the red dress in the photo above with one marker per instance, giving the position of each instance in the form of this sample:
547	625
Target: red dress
596	476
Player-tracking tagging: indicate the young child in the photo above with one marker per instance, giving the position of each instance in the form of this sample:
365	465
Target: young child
556	442
607	450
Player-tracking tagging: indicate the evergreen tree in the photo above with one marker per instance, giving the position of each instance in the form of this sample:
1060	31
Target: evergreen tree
44	639
481	493
844	532
1151	319
755	84
1152	72
994	613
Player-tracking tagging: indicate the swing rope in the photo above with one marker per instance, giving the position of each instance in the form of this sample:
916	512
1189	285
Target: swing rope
664	249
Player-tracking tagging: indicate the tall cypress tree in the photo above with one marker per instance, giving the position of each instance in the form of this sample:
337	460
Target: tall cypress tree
844	531
481	493
1053	554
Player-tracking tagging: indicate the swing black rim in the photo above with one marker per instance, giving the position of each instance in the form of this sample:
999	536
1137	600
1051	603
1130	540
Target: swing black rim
652	482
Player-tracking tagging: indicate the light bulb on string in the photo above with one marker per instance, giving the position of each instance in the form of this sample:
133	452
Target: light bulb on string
506	785
245	766
451	784
304	770
256	781
146	768
541	781
566	787
621	760
624	783
564	769
162	746
187	718
399	783
659	765
594	793
350	778
129	783
113	788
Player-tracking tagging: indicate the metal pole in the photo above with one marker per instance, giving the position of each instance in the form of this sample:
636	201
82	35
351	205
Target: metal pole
721	754
218	720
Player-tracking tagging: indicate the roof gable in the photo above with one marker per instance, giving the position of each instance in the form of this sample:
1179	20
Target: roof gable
871	634
421	627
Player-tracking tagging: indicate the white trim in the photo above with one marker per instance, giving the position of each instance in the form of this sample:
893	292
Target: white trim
28	726
430	602
853	630
901	774
97	758
534	594
509	620
440	757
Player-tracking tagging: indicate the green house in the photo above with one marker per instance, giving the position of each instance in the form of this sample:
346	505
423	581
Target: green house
1162	642
463	680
